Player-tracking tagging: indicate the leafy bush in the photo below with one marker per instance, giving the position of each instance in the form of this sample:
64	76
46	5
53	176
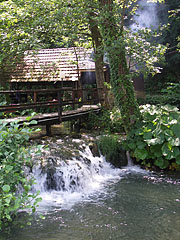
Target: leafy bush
169	95
107	120
14	186
155	141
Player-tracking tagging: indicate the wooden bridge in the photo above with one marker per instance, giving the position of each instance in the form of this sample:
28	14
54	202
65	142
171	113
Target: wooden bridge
52	106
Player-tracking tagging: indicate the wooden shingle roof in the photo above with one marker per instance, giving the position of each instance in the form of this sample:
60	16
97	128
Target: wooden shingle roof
53	65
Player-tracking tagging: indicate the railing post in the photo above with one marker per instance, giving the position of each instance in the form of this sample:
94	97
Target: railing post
35	99
59	95
73	99
96	94
48	130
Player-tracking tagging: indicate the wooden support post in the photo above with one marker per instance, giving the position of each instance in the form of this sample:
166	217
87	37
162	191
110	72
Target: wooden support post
59	95
35	99
73	100
48	130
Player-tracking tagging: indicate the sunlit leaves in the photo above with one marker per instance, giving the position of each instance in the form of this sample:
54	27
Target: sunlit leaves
142	53
34	24
6	188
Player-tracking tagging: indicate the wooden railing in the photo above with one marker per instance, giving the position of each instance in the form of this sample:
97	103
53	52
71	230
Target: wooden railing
19	100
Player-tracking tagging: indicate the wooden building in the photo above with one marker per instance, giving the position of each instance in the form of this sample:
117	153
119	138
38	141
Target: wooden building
56	68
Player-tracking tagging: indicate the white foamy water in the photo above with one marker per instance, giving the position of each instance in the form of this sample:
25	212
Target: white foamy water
75	180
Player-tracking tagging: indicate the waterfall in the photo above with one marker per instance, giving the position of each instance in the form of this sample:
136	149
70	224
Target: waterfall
70	181
130	162
67	172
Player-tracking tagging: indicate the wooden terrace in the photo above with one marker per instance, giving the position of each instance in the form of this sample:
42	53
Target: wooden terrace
64	104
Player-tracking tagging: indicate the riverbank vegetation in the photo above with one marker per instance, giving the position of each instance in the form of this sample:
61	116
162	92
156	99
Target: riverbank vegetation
14	184
155	141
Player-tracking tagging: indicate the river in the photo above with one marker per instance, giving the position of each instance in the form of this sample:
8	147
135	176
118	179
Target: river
105	203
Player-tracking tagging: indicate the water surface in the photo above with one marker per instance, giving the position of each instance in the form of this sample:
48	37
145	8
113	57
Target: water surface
94	201
138	206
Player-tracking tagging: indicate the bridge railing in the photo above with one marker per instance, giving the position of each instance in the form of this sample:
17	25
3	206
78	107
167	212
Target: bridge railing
20	100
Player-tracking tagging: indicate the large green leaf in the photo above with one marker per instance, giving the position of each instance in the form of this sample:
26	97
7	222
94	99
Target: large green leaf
165	149
33	122
154	141
141	153
141	145
176	152
169	151
175	141
147	135
178	160
162	163
156	150
169	132
176	130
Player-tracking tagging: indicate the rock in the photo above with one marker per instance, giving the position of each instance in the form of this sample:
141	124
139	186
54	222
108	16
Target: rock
87	161
110	147
94	149
119	158
54	181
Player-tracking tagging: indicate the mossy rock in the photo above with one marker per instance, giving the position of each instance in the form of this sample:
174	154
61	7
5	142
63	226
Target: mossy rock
110	147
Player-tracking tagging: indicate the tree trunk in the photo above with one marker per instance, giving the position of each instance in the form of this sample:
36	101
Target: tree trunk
121	82
99	63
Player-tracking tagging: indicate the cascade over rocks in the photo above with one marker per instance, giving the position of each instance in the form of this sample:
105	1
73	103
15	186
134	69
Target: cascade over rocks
64	163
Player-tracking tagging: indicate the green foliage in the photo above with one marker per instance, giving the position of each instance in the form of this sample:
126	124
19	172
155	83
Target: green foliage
13	114
169	95
155	141
14	186
126	49
172	93
108	146
107	120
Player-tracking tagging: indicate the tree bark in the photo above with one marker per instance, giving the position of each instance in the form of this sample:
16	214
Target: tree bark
122	86
99	63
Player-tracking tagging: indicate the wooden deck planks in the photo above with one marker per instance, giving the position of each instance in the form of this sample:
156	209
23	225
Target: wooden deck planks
53	118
